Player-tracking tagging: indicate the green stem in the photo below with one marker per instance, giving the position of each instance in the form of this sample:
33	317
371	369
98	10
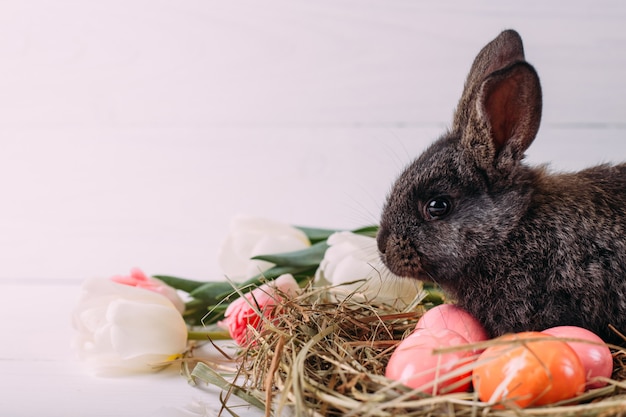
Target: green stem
215	335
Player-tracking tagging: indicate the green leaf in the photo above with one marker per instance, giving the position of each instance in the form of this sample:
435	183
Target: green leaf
298	272
320	235
182	284
370	231
202	312
210	376
311	256
213	292
316	235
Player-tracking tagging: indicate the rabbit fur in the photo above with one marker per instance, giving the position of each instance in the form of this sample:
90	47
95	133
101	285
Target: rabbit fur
518	247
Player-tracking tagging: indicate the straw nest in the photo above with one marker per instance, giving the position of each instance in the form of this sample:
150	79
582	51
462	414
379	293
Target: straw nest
323	358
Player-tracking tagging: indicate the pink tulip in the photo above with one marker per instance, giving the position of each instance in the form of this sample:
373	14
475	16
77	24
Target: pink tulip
138	279
248	312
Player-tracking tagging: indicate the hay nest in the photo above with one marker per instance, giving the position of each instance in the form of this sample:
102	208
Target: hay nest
322	358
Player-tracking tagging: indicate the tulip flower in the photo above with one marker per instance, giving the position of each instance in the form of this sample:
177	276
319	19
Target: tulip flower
252	236
138	279
247	313
121	328
353	266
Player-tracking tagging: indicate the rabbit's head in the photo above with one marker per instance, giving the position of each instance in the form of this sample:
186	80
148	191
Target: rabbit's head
467	191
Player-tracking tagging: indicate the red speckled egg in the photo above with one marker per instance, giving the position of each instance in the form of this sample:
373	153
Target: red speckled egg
451	317
595	356
415	365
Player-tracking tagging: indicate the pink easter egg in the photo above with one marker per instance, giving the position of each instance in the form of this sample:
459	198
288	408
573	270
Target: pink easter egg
414	363
595	357
449	316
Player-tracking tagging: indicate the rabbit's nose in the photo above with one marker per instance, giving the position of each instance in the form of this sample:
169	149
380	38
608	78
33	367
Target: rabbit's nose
381	240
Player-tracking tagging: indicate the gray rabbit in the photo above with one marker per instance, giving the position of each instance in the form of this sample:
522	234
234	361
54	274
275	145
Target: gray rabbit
518	247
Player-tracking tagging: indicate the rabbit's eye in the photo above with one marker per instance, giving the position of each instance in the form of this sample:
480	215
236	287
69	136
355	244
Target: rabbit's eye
437	208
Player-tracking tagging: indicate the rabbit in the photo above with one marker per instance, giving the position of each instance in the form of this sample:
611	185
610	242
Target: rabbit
519	247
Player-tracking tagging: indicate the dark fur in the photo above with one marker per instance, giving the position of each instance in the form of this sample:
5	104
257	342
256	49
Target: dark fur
521	249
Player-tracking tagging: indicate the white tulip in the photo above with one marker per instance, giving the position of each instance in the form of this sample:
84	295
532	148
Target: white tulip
252	236
353	258
126	329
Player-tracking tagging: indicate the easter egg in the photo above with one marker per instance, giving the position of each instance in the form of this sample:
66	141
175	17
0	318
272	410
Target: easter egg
595	356
414	363
528	371
449	316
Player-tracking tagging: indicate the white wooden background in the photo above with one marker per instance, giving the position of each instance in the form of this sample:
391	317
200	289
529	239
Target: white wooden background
132	131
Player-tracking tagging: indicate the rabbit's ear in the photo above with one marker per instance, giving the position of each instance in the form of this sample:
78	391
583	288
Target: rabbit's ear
501	52
505	117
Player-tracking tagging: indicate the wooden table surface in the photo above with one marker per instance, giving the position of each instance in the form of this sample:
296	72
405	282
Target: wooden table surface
131	132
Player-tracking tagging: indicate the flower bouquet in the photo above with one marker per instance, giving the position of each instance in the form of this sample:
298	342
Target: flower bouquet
322	328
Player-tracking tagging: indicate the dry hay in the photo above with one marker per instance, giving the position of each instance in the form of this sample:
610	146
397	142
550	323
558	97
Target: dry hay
322	358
